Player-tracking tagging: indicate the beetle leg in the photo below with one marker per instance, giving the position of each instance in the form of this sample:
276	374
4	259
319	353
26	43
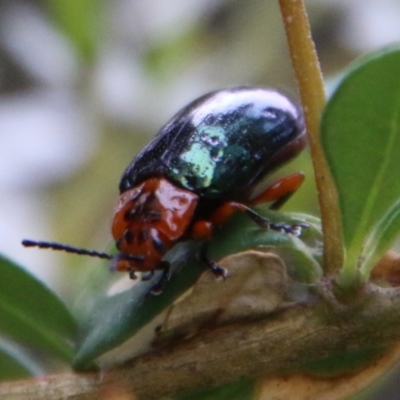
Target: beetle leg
214	268
132	274
279	192
203	230
158	287
222	213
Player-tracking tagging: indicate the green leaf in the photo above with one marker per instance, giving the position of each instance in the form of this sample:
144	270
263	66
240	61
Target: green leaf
303	256
32	315
361	139
109	320
16	363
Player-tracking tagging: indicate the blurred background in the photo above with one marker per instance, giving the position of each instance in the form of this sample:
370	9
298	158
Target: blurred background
85	84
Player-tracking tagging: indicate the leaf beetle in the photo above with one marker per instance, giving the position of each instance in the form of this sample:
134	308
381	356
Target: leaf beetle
201	167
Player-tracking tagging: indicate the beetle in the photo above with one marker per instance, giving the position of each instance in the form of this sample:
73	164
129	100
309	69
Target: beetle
201	167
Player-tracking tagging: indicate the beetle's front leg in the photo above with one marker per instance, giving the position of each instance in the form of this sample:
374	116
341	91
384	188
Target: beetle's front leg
158	287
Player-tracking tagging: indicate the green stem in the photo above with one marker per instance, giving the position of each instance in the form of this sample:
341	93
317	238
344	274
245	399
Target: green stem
311	88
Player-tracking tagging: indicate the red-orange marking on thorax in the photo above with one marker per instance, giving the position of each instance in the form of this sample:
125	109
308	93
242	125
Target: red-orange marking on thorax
149	219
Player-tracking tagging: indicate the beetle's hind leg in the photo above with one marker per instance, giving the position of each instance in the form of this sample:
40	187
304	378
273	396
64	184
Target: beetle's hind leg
224	212
279	192
265	223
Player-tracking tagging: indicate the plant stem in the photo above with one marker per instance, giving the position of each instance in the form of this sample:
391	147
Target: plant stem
311	88
284	341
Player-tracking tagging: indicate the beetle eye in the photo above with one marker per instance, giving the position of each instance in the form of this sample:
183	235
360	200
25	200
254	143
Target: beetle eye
128	236
130	214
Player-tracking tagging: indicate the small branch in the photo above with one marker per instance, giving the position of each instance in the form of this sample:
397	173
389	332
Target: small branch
66	386
311	88
285	341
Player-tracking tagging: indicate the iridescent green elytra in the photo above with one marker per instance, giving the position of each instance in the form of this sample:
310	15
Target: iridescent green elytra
221	144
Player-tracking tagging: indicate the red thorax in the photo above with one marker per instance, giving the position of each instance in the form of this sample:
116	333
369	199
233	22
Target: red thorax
150	218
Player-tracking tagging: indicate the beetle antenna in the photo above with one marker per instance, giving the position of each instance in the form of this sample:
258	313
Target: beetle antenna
68	249
77	250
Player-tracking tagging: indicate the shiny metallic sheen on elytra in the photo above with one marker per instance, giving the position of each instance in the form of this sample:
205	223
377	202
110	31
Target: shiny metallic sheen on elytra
222	143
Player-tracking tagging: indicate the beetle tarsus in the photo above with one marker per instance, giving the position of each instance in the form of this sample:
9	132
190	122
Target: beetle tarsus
158	288
217	270
132	275
294	230
211	265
